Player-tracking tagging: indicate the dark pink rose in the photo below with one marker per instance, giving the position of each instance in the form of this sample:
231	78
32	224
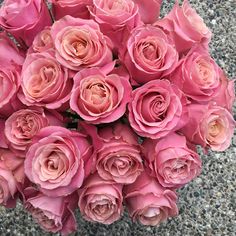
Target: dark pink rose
210	126
24	19
53	214
24	124
58	160
80	44
148	202
157	108
171	161
11	60
100	200
119	159
45	82
197	75
185	26
100	95
75	8
149	54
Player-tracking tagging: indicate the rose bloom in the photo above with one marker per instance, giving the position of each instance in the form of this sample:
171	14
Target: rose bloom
210	126
119	159
100	95
53	214
80	44
100	200
171	161
197	75
58	160
3	143
148	202
11	60
75	8
149	54
45	82
24	124
185	26
24	19
156	109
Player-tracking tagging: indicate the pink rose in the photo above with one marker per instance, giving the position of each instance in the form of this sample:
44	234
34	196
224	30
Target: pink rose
24	19
100	95
53	214
185	26
24	124
210	126
157	108
119	159
75	8
171	161
3	141
58	160
197	75
100	200
44	81
80	44
11	60
148	202
149	54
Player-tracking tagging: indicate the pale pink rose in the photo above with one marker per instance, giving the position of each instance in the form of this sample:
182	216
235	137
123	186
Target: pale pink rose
11	60
149	54
100	200
58	160
24	124
45	82
210	126
148	202
156	109
197	75
80	44
53	214
75	8
171	161
100	95
119	159
24	19
185	26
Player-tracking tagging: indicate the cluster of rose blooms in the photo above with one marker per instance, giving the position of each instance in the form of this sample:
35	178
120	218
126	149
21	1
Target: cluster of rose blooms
104	108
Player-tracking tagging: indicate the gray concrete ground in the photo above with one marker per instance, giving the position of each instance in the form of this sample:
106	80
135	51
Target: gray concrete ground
207	205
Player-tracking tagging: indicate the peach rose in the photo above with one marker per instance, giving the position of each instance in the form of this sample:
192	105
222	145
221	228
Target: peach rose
100	200
100	95
24	19
119	159
80	44
148	202
171	161
210	126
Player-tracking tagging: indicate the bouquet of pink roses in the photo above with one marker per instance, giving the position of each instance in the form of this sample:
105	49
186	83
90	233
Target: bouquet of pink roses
102	105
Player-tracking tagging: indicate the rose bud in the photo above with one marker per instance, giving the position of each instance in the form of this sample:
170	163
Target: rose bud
100	95
209	126
24	19
149	54
75	8
58	160
148	202
197	75
171	161
100	200
185	26
157	108
45	82
24	124
119	159
53	214
80	44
